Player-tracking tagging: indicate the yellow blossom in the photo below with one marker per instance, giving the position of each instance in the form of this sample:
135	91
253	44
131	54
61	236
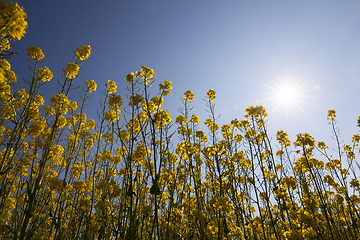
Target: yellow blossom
257	111
71	70
111	86
91	85
115	100
331	115
112	115
288	183
165	87
60	101
322	145
180	119
4	44
189	96
12	20
211	94
201	135
161	118
37	127
226	131
35	53
130	77
135	100
83	52
282	137
45	74
304	140
194	119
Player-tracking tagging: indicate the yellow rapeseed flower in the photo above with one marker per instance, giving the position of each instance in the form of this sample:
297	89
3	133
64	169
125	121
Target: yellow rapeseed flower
37	127
180	119
45	74
194	119
71	70
112	115
211	94
111	86
12	20
189	96
6	74
331	115
165	87
304	139
35	53
135	100
282	138
83	52
60	101
130	77
115	100
91	85
256	111
4	44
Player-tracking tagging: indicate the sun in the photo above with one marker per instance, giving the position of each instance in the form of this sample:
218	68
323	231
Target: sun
288	94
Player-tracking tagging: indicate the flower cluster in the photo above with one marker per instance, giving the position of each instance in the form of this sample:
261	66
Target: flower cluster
35	53
45	74
91	85
189	96
83	52
12	20
71	70
211	95
111	86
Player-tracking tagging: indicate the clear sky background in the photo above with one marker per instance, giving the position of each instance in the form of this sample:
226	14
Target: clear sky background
242	49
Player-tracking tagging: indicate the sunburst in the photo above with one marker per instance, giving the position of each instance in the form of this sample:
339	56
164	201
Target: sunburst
288	95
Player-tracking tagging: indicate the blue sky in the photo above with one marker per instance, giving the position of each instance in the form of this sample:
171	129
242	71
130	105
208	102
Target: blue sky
242	49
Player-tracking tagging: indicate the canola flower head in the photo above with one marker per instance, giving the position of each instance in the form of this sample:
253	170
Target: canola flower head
112	115
145	73
36	129
165	87
4	44
115	100
12	20
91	85
135	100
211	94
162	118
5	65
194	119
111	86
331	115
130	77
60	101
149	72
35	53
45	74
71	70
6	75
189	96
282	138
180	119
83	52
256	111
